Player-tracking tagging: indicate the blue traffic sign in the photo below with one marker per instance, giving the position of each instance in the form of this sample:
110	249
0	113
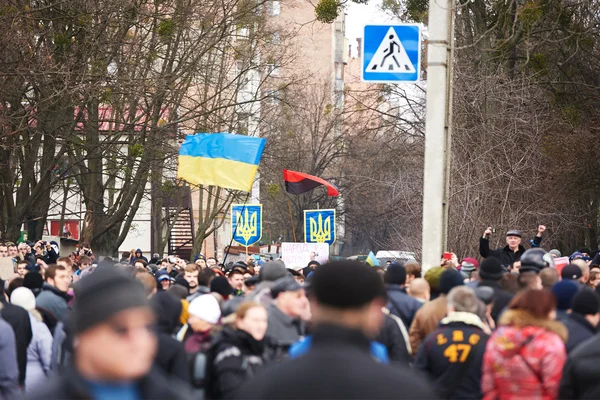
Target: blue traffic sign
391	53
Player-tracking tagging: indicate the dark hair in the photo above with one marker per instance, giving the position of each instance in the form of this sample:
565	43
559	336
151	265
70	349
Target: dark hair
413	268
526	279
593	276
51	271
15	283
539	303
235	271
66	260
85	259
510	283
205	276
140	260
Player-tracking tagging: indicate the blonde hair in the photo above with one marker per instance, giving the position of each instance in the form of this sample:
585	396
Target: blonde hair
191	268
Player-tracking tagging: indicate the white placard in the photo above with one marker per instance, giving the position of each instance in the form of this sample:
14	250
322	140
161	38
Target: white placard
296	255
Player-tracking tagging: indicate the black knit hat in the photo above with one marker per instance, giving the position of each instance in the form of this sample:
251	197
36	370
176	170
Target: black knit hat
346	284
180	280
450	279
33	280
491	269
586	302
103	294
221	285
395	274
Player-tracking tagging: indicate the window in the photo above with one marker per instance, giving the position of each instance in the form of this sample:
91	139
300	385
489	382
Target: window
275	39
274	8
242	123
272	96
243	32
273	69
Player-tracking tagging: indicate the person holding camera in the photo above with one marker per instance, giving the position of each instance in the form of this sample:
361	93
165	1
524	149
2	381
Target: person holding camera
46	251
513	250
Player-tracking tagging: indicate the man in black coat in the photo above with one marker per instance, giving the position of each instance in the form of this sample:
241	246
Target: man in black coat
394	336
512	251
452	355
399	303
170	356
583	320
113	326
18	318
490	275
346	300
580	373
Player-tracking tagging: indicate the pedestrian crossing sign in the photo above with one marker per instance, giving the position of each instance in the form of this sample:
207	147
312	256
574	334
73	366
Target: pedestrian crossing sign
391	53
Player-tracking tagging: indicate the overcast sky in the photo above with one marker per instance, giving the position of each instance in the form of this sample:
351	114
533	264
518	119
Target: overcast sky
359	15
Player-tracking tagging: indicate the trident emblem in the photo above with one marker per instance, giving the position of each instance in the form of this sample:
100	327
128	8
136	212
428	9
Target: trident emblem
247	225
320	232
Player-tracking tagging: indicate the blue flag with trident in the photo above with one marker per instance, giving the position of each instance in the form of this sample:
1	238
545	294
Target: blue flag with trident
246	223
319	226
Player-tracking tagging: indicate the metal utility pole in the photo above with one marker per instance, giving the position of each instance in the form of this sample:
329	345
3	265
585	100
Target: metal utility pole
437	131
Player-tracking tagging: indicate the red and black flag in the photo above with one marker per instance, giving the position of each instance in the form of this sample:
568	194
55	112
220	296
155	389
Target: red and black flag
298	183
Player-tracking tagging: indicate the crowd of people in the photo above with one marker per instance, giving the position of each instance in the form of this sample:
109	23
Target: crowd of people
511	326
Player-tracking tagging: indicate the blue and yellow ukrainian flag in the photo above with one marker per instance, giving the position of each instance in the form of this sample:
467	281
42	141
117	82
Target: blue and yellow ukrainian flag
220	159
372	260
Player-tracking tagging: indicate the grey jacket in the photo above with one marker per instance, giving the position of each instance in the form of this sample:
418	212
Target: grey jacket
39	354
283	330
9	369
51	299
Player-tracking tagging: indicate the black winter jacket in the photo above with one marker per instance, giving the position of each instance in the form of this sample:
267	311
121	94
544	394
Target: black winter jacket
501	298
170	356
70	385
18	318
402	305
394	341
505	255
579	329
339	365
580	373
452	356
236	357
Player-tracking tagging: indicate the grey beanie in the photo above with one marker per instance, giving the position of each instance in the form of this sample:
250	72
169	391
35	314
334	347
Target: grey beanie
272	271
555	253
104	293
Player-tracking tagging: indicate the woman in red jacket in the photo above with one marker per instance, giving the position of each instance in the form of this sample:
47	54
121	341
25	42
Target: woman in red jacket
524	357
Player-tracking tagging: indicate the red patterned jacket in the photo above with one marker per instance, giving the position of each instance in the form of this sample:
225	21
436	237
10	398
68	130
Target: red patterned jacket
524	358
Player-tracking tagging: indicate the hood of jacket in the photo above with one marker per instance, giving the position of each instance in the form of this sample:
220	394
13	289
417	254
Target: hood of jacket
463	317
518	328
167	309
242	340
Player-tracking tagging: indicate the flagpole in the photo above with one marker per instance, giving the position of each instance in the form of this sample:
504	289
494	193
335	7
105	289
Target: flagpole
235	232
292	219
